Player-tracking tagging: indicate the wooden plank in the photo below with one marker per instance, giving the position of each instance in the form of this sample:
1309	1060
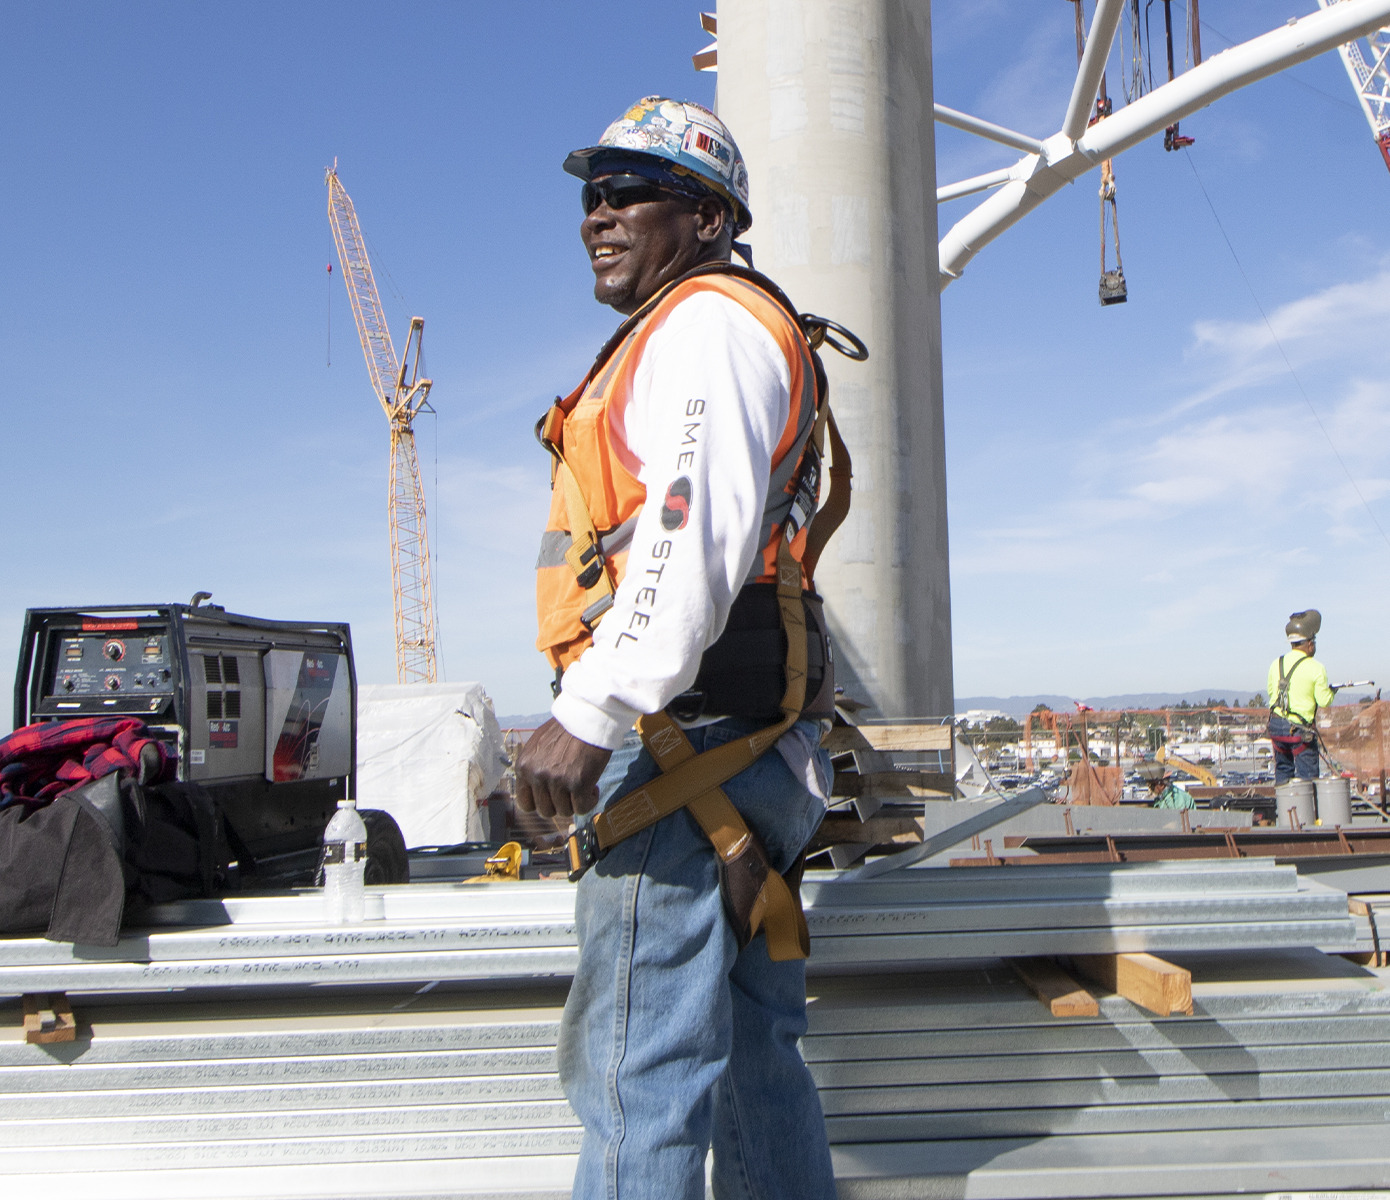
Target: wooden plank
1055	988
890	784
1142	979
1378	955
844	738
38	1028
876	831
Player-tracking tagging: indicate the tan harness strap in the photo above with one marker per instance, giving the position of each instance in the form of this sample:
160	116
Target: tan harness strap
689	777
691	780
832	513
777	908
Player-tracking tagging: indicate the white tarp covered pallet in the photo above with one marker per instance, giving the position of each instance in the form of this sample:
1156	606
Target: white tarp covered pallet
429	754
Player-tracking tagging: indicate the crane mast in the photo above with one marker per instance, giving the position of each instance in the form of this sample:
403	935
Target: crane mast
1370	77
402	394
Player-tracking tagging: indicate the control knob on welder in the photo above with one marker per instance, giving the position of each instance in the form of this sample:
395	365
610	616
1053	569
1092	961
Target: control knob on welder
113	683
114	649
67	683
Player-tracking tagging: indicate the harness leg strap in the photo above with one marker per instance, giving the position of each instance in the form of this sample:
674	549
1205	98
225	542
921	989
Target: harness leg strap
755	896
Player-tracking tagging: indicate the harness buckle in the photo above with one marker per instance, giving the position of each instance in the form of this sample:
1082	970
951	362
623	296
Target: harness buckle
583	849
586	562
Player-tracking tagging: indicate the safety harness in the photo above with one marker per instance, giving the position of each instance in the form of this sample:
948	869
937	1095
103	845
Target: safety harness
756	898
1300	732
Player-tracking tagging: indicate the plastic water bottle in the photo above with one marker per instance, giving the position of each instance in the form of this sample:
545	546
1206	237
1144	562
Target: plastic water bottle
344	862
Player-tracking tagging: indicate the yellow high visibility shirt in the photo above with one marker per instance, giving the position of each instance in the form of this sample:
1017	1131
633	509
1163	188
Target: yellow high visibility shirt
1308	688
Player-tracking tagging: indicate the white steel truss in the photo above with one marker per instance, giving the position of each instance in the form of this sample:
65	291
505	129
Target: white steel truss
1076	148
1370	79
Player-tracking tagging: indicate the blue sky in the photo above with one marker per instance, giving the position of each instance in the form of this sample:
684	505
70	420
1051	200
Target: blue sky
1139	494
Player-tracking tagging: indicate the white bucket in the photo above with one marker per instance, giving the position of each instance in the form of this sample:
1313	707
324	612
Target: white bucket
1298	795
1334	800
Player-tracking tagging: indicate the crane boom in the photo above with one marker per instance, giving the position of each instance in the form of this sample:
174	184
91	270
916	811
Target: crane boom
402	394
1370	77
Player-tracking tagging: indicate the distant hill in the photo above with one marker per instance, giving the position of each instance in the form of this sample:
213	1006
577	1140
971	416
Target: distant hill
1021	706
524	721
1018	706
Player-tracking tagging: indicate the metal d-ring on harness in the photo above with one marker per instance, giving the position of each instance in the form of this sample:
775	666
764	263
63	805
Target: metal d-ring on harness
756	898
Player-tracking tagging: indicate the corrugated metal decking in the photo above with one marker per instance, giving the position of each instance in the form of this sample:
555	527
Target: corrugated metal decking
948	1082
498	931
940	1074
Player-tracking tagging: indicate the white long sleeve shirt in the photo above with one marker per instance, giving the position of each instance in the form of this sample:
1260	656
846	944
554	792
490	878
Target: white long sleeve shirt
711	396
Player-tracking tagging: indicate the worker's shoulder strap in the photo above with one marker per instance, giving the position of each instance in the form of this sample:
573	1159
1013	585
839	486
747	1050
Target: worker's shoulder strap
1282	703
817	332
584	555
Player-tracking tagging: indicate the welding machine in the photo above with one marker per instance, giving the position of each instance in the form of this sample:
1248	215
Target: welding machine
261	714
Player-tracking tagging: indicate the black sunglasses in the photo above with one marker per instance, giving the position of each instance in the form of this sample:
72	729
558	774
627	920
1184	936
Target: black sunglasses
618	191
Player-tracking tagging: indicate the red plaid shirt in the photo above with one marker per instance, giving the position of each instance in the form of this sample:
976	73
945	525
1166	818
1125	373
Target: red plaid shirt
40	762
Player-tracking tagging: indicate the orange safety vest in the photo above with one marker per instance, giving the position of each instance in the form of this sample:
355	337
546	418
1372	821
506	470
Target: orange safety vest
581	426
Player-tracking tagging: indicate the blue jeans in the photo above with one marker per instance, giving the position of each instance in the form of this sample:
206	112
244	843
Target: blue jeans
1291	758
673	1040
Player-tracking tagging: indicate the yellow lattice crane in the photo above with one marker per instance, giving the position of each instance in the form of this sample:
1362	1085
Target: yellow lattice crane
403	394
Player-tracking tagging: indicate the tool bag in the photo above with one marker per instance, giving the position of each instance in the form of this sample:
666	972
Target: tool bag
88	830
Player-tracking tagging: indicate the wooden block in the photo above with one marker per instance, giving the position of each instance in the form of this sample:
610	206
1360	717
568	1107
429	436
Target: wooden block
888	737
1055	988
40	1031
891	785
1142	979
876	831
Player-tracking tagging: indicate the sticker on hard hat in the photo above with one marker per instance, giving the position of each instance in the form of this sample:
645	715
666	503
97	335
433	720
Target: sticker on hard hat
701	142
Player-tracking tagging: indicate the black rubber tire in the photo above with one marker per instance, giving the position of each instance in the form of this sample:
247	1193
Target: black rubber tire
387	861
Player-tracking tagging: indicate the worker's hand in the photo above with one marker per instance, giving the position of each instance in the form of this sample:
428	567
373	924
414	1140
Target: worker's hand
557	774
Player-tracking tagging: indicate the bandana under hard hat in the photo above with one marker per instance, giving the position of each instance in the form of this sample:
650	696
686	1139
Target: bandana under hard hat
686	139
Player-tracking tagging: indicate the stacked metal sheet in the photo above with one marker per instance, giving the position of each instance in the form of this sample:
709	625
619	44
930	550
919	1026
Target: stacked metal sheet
517	931
958	1083
953	1082
922	915
243	1048
397	1093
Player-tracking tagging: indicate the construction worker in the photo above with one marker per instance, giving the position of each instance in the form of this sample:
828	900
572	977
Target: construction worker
1298	688
674	1038
1166	793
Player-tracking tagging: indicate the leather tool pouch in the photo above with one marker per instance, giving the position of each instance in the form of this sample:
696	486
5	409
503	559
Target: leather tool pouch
741	881
744	673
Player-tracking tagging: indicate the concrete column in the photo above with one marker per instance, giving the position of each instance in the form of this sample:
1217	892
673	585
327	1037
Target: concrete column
831	104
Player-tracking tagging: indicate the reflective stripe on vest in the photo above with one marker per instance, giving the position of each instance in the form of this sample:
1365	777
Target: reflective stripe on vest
607	473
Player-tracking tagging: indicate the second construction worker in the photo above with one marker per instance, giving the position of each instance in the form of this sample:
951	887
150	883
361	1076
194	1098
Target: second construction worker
674	480
1166	793
1298	688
